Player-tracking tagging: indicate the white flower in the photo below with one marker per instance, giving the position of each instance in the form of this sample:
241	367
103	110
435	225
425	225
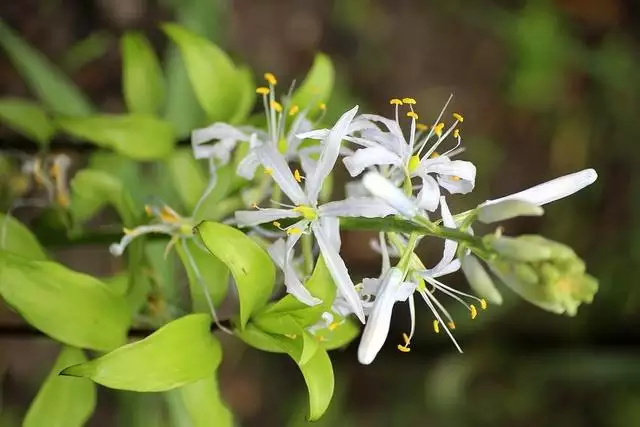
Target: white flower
282	254
322	220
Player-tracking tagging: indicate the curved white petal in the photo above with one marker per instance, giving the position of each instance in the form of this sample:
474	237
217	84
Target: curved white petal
338	271
331	227
381	187
454	185
247	166
117	249
279	169
460	168
291	280
366	157
367	207
553	190
250	218
329	155
429	194
390	124
217	130
313	134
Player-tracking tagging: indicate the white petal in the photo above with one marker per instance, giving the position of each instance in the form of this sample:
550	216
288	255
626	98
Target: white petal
277	251
272	159
367	207
553	190
456	186
338	271
366	157
355	189
217	131
331	227
377	326
314	134
250	218
291	281
381	187
450	246
329	155
117	249
391	124
247	166
460	168
429	195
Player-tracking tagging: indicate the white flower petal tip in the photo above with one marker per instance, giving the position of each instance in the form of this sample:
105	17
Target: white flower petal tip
381	187
116	249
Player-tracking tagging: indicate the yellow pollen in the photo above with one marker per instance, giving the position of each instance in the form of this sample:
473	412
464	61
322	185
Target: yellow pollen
276	223
291	336
293	110
455	178
262	90
276	106
421	126
456	133
404	348
270	78
414	162
294	230
148	210
438	129
296	174
167	215
436	326
483	304
409	101
451	325
395	101
458	117
322	106
434	155
412	114
268	171
333	326
474	312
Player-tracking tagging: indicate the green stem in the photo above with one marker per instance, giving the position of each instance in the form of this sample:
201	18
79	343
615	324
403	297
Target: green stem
307	252
277	196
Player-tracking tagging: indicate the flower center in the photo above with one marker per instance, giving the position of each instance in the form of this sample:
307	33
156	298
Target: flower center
307	212
414	162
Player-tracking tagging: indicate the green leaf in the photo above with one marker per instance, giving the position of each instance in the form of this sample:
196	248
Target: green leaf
211	72
203	404
141	137
188	177
318	374
27	118
203	269
317	85
346	331
257	338
246	95
16	238
63	401
181	352
91	190
86	50
56	91
250	265
142	80
71	307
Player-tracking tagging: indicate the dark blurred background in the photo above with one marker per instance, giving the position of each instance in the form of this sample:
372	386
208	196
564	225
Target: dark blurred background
546	88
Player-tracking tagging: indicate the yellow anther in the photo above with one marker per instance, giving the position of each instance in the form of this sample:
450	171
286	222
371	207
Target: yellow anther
167	215
434	155
438	129
276	223
293	230
413	115
296	174
63	200
414	162
268	171
483	304
262	90
455	178
395	101
406	339
451	325
254	205
276	106
436	326
474	312
54	171
458	117
404	348
291	336
148	210
456	133
421	126
333	326
322	106
409	101
271	78
293	110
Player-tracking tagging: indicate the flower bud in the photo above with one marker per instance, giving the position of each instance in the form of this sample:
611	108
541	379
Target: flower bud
507	209
519	249
479	279
558	250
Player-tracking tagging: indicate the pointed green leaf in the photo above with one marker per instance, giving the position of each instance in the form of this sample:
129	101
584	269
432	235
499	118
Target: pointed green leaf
211	72
346	331
246	95
257	338
181	352
203	404
86	50
250	265
27	118
63	401
317	85
188	177
16	238
56	91
142	80
138	136
203	270
318	374
71	307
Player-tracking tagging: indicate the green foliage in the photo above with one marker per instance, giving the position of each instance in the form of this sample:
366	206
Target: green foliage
16	238
142	80
50	85
71	307
27	118
317	85
187	176
179	353
63	401
203	404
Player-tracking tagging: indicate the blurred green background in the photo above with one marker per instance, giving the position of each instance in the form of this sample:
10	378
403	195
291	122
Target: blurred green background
546	88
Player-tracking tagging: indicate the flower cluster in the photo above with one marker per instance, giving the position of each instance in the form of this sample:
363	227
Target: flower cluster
403	169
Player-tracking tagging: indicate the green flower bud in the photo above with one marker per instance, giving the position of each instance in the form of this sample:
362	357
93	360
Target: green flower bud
519	249
507	209
523	280
558	250
479	279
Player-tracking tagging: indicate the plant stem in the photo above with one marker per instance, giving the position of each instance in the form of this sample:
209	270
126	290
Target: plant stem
307	252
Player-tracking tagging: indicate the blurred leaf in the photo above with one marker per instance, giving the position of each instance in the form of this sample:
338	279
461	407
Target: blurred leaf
27	118
56	91
71	307
86	50
125	169
250	265
16	238
140	410
63	402
203	404
91	190
211	273
188	177
211	72
246	95
181	352
142	81
140	137
317	85
318	374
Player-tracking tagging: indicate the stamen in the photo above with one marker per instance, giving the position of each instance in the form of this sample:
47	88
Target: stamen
456	133
291	336
438	129
483	303
63	200
474	311
271	78
451	325
262	90
458	117
421	127
276	223
293	230
455	178
434	155
293	110
298	177
436	326
333	326
409	101
268	171
148	210
276	106
322	106
405	347
168	215
54	170
412	114
414	162
395	101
